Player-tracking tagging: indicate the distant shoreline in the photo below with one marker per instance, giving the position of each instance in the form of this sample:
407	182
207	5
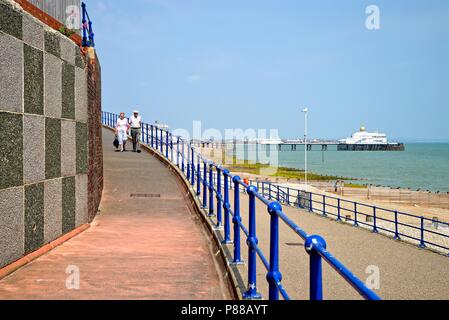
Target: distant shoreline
291	173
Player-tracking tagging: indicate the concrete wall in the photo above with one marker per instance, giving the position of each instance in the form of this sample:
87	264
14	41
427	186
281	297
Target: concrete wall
44	135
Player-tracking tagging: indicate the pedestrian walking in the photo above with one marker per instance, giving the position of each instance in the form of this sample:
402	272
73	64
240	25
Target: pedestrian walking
135	122
122	131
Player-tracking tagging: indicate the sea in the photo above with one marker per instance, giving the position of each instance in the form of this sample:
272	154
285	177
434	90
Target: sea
423	166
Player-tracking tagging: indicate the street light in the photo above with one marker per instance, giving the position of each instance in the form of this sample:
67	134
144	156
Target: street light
305	111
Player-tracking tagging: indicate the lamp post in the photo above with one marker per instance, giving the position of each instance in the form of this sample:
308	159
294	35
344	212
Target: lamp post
305	111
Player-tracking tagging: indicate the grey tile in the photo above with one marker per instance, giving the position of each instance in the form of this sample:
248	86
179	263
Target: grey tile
68	91
81	148
52	148
68	204
68	148
80	95
68	50
52	209
34	217
11	71
52	44
33	32
11	160
81	200
10	21
53	86
12	239
33	80
33	149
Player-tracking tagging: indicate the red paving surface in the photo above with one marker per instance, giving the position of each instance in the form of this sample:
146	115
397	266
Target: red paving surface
137	248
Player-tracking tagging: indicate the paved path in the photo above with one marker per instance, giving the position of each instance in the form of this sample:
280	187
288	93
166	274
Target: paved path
406	272
143	248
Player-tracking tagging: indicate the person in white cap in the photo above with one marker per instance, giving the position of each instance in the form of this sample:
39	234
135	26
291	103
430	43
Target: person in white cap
135	123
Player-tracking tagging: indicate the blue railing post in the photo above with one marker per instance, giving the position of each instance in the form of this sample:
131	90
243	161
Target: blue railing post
183	157
288	195
211	190
198	177
166	144
274	276
162	142
227	208
148	132
84	42
375	220
310	202
356	221
316	272
192	176
91	35
396	227
152	138
324	206
188	162
157	140
171	147
204	184
338	210
252	242
177	152
219	198
422	244
237	220
299	199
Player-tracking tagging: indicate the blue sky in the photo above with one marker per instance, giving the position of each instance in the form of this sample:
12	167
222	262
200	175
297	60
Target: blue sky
254	63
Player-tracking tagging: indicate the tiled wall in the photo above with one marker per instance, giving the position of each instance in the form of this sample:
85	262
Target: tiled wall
43	134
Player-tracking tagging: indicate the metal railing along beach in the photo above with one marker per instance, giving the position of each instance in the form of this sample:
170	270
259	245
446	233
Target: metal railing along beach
213	184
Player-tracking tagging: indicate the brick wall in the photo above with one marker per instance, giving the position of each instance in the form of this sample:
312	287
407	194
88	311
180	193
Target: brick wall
95	184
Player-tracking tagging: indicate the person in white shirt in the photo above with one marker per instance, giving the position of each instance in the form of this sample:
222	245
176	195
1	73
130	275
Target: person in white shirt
135	123
121	131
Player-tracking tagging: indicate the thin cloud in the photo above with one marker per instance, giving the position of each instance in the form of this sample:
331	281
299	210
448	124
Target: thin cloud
194	78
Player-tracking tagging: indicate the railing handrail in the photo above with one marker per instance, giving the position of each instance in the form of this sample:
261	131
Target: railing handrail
88	33
315	246
351	201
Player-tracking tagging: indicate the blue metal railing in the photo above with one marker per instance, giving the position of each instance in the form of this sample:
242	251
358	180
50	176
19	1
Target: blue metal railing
359	214
88	33
210	178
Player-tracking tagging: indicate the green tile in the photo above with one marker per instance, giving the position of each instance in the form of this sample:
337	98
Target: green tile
52	44
68	91
34	217
11	160
68	204
81	148
52	148
33	80
10	21
79	61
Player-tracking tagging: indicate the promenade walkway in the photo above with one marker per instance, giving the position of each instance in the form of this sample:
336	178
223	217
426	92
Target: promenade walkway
137	248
